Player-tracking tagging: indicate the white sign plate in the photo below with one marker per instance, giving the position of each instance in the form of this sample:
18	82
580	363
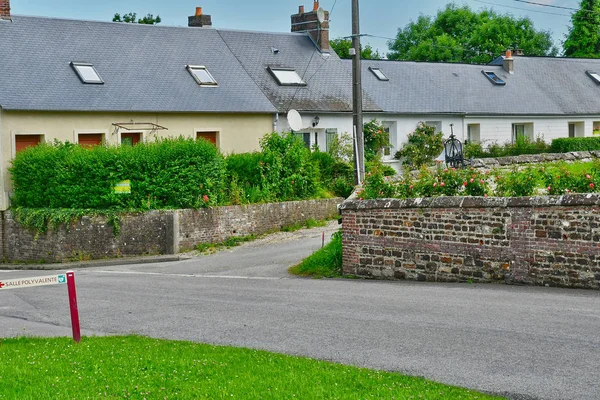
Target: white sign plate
30	282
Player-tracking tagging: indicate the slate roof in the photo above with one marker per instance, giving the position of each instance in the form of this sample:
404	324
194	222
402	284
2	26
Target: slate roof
538	86
329	82
143	68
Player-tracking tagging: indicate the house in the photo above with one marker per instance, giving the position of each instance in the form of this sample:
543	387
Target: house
91	82
513	96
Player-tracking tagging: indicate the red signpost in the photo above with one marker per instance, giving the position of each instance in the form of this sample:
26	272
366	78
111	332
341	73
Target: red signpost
73	306
68	278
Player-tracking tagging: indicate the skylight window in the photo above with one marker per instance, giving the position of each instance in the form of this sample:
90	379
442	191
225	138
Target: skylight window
87	73
594	75
493	78
286	76
201	75
379	74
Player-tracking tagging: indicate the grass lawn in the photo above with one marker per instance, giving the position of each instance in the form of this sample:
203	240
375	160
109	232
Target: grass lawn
138	367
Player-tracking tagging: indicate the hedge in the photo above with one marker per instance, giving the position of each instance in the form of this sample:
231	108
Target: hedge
565	145
175	173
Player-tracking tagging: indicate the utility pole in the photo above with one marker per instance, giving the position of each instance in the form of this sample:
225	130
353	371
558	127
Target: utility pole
359	143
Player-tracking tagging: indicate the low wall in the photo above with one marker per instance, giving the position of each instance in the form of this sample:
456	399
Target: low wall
551	240
528	159
154	232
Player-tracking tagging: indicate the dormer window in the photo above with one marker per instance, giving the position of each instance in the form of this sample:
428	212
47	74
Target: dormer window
379	74
201	75
286	76
595	76
87	73
493	78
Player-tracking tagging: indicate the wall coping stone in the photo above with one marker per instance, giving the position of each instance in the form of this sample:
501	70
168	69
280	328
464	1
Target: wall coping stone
534	159
589	199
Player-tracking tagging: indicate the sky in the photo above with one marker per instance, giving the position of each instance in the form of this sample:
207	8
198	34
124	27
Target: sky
380	18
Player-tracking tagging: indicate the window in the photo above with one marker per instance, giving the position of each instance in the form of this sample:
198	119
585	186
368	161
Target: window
130	138
571	130
493	78
210	136
305	136
87	73
473	133
24	141
436	124
577	129
286	76
330	135
522	131
595	76
379	74
201	75
390	128
90	139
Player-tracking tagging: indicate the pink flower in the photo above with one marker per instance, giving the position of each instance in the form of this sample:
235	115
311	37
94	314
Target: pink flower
592	185
465	183
549	187
485	195
567	190
481	181
434	184
205	198
442	184
445	169
411	186
472	180
361	198
588	176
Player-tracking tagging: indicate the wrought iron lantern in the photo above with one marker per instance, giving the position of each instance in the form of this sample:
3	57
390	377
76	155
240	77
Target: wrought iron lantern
453	151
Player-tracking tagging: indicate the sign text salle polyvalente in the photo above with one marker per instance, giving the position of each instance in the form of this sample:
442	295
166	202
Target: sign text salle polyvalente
29	282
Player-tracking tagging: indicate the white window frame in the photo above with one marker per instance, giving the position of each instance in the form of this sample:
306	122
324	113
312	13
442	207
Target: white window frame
76	64
14	139
191	68
273	71
143	135
208	130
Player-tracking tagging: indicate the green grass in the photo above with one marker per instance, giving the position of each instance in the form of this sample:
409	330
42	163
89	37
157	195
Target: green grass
137	367
310	223
226	244
324	263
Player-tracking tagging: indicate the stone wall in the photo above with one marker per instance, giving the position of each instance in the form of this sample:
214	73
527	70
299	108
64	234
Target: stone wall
219	223
154	232
551	241
534	159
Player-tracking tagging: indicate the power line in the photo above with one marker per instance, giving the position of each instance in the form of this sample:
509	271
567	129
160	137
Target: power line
546	5
521	8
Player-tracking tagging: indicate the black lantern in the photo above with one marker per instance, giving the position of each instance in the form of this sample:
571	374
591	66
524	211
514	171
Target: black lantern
453	151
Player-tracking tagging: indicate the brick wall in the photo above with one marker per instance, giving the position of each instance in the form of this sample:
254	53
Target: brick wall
550	240
155	232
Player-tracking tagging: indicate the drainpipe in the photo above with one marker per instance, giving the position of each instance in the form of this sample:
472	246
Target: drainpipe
275	121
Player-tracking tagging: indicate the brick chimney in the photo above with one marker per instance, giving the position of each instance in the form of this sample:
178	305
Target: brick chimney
309	22
5	9
199	20
508	62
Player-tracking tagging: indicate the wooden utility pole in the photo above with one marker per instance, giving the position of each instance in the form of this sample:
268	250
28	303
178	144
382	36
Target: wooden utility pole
359	143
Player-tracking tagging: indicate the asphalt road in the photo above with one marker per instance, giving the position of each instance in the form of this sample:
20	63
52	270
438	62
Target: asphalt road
527	343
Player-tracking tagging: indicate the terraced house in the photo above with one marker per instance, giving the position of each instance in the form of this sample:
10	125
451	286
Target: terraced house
92	82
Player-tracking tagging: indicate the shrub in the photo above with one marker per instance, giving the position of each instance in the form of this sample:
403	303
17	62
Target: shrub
376	140
170	173
565	145
245	179
335	175
561	180
515	183
423	146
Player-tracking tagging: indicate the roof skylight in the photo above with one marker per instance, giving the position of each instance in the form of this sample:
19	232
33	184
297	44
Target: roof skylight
594	75
286	76
379	74
201	75
493	78
86	72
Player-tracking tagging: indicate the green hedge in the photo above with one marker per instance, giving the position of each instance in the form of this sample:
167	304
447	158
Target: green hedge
175	173
565	145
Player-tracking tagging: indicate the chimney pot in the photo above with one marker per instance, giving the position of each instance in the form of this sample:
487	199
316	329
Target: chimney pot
508	54
4	9
198	11
316	5
199	20
301	10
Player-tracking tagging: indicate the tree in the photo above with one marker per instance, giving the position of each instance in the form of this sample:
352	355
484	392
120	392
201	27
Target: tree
583	39
131	18
342	48
458	34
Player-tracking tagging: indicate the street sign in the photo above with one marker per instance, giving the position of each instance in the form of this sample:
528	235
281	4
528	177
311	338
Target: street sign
30	282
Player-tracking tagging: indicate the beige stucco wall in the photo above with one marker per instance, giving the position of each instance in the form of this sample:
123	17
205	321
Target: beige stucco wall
236	132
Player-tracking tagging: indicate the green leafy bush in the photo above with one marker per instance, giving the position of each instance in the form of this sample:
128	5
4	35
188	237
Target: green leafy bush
423	146
523	145
565	145
335	175
170	173
561	180
376	140
516	182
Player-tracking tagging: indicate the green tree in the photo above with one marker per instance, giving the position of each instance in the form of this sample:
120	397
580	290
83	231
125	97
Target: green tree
583	39
459	34
149	19
342	48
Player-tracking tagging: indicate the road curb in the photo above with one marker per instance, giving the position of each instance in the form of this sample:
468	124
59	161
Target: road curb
92	263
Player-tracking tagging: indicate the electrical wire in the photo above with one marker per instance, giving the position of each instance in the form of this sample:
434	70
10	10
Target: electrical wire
521	8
